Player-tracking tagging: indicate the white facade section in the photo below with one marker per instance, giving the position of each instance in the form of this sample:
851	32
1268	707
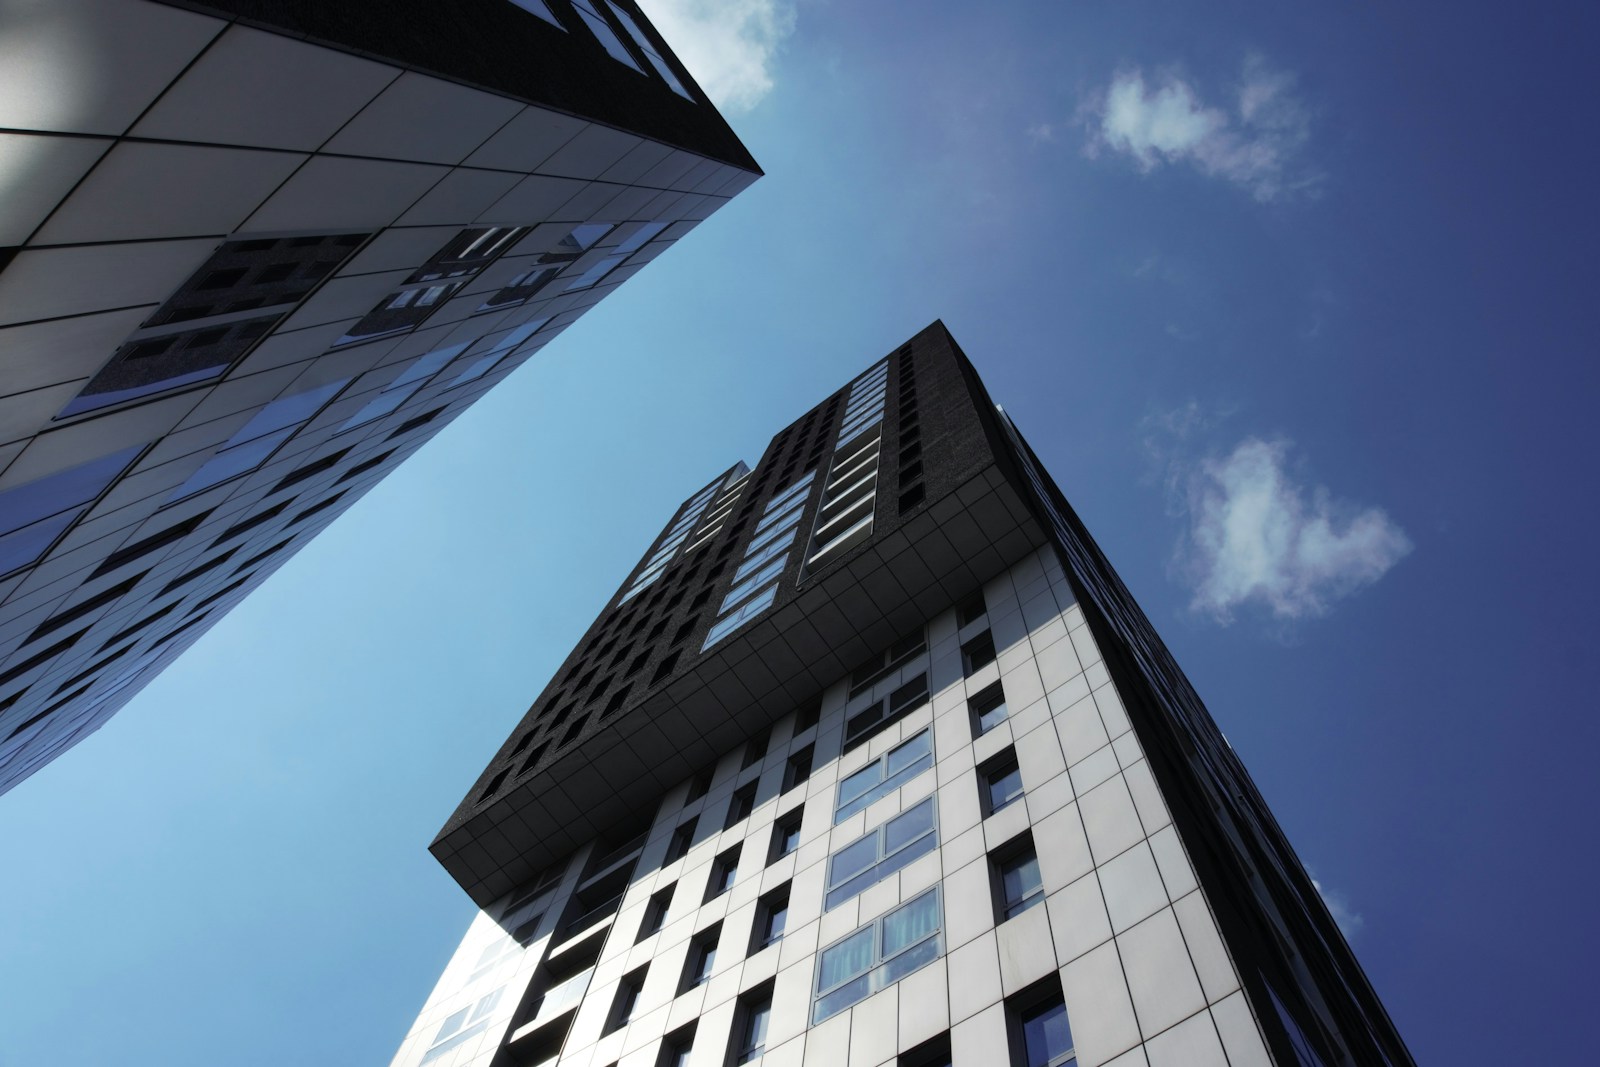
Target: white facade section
1116	926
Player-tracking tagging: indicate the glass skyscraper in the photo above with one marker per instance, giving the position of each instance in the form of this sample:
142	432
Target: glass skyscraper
253	254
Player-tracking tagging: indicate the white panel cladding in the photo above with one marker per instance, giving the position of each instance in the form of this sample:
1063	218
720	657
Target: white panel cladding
1123	929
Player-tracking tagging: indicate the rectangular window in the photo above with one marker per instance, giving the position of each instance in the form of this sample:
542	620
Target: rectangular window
682	838
878	854
655	912
702	958
785	835
772	915
258	439
977	653
798	767
988	709
932	1053
884	775
741	805
755	751
650	53
677	1046
807	717
750	1024
605	34
1000	781
626	1000
1016	876
971	609
871	721
435	282
406	385
1041	1036
462	1026
878	955
724	869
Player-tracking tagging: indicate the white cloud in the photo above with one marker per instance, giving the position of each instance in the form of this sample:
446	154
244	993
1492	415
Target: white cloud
1348	919
728	45
1163	121
1256	536
1041	132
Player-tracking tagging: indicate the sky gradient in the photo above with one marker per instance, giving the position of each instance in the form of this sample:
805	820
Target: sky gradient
1297	305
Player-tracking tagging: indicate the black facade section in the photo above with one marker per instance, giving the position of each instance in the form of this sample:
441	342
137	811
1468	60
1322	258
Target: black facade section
643	702
498	46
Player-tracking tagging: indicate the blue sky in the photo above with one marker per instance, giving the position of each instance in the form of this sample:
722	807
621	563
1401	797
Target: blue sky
1296	302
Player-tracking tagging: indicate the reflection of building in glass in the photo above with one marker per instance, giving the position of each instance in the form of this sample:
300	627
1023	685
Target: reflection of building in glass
872	760
262	255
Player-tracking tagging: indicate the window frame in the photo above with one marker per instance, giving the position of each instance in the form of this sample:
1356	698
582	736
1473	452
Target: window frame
877	971
887	782
994	697
888	861
1001	764
981	644
1019	848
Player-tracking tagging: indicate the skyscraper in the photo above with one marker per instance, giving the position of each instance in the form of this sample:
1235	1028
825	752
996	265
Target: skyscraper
254	254
872	760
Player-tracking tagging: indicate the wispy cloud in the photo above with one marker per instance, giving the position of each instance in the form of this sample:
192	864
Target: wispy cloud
1254	535
728	45
1254	142
1348	919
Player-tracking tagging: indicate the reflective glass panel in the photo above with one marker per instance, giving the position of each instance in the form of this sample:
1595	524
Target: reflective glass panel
1046	1034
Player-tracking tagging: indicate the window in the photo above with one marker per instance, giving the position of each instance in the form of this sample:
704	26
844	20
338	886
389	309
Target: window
259	438
723	871
655	912
155	542
971	609
699	786
677	1046
682	838
246	525
977	653
79	610
1040	1033
755	752
798	767
878	955
462	1026
405	385
772	915
605	34
988	709
873	720
807	717
878	854
1016	874
199	332
932	1053
196	572
785	835
741	804
750	1024
310	470
1000	781
895	656
702	958
434	283
650	52
884	775
627	999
